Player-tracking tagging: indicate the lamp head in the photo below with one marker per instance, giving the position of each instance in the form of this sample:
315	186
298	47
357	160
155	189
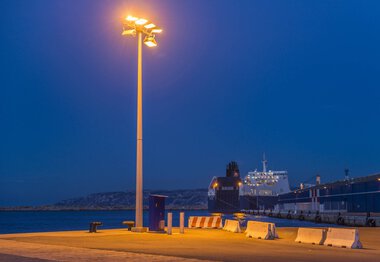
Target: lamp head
129	32
134	25
156	30
141	21
150	41
131	18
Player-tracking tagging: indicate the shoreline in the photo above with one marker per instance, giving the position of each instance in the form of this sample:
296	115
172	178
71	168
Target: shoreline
90	209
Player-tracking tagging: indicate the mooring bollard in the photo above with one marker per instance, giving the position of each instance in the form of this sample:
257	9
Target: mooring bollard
170	220
182	222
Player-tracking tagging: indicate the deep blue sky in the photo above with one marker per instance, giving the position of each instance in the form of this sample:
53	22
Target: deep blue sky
230	80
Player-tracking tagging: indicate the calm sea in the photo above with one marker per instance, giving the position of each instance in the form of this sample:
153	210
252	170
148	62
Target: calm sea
44	221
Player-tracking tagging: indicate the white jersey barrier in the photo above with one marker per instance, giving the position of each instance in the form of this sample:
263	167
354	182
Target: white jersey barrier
260	230
232	226
273	230
343	237
205	222
314	236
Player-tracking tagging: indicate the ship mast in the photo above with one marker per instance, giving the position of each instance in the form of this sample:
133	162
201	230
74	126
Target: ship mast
264	164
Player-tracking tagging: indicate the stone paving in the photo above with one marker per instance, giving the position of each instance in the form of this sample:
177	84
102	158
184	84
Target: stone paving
194	245
30	252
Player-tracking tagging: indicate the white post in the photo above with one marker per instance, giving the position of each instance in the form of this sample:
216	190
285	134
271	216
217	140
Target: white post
182	222
139	160
170	220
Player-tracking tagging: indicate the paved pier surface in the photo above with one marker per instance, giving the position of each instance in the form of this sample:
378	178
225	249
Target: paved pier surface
195	244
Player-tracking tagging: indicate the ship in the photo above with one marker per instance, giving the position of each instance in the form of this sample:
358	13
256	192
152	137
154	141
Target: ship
260	189
257	190
349	201
224	192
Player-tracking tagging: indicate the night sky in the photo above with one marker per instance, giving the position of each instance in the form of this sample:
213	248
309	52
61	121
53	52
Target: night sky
298	80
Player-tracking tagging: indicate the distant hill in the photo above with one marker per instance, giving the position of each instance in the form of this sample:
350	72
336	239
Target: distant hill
177	199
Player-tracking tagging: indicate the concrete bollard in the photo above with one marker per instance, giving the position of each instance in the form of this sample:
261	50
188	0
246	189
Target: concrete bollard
170	220
182	222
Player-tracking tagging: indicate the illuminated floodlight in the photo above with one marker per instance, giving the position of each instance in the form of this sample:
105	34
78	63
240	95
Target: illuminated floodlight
129	32
141	21
156	30
149	26
150	41
131	18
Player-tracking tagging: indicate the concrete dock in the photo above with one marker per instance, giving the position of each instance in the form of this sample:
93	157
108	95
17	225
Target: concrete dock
194	245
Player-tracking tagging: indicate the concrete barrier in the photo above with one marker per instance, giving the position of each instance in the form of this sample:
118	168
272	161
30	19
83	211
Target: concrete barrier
225	224
205	222
273	230
343	237
259	230
232	226
314	236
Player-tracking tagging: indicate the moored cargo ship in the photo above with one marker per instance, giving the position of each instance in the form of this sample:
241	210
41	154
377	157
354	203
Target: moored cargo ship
257	190
351	201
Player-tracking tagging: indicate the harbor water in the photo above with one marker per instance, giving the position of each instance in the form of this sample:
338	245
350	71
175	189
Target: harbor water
45	221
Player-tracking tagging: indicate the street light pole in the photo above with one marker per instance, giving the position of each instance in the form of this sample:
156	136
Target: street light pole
140	27
139	148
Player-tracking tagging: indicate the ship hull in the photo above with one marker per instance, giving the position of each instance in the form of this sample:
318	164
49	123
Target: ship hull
258	202
217	205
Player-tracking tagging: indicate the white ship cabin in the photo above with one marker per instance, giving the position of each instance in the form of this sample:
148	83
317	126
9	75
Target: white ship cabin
265	183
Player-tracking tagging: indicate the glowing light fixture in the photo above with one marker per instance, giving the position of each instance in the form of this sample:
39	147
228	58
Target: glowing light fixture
156	30
150	41
141	21
131	18
129	32
148	26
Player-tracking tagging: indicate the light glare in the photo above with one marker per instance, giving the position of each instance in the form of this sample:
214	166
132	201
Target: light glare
131	18
157	30
129	32
150	43
148	26
141	21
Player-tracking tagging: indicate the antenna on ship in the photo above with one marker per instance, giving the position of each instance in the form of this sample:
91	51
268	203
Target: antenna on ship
346	174
264	163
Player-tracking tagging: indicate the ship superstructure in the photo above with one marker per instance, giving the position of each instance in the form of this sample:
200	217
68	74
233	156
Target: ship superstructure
266	182
260	189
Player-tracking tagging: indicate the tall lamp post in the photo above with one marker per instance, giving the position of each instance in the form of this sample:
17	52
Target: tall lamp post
142	28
